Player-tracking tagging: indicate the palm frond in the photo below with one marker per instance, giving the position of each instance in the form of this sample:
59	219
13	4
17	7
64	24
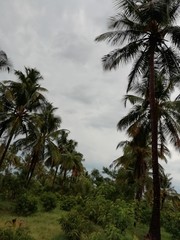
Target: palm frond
124	54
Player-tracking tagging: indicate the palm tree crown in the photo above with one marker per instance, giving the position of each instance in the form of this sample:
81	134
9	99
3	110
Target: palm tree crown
141	25
18	100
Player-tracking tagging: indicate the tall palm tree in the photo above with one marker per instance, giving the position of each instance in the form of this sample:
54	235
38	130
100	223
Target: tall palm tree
18	100
145	25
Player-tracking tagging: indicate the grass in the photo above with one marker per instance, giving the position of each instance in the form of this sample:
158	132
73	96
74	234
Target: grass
42	225
45	225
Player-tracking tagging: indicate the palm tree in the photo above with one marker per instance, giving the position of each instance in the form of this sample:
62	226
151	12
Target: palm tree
62	142
167	191
5	64
135	160
71	160
137	120
168	112
18	100
145	28
40	142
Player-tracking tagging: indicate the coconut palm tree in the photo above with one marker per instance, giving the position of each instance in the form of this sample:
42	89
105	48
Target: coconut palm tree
168	111
145	26
135	160
137	121
71	160
18	100
62	142
167	191
40	141
5	63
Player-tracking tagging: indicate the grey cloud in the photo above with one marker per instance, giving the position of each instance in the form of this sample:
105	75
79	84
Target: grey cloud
81	94
72	47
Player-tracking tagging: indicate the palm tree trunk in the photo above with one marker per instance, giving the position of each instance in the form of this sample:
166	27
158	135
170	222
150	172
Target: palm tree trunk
8	142
55	174
30	173
154	230
32	166
6	149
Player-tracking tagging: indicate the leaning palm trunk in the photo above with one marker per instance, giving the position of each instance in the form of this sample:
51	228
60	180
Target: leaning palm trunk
54	177
154	230
6	149
8	143
30	173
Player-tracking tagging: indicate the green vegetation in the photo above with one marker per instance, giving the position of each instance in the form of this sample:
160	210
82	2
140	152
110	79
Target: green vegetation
45	191
100	214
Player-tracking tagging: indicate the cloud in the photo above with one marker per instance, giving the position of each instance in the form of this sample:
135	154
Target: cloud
72	47
57	37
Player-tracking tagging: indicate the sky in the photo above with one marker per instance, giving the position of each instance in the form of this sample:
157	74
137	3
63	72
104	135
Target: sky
57	38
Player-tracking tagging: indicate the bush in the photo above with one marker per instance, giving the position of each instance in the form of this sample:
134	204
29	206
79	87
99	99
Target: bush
26	205
143	212
49	201
11	234
67	203
171	222
75	225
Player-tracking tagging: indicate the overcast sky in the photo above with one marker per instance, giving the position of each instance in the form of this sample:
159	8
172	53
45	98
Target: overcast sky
57	38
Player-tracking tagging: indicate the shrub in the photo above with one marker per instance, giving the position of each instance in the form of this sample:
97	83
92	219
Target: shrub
113	233
68	202
26	205
171	222
97	236
49	201
143	212
75	225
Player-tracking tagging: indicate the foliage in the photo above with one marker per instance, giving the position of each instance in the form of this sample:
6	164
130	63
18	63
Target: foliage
75	225
26	205
11	186
113	233
82	186
12	234
68	202
108	190
171	222
49	201
99	235
96	209
143	212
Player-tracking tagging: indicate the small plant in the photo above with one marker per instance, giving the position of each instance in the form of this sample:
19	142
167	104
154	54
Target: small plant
49	201
26	205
